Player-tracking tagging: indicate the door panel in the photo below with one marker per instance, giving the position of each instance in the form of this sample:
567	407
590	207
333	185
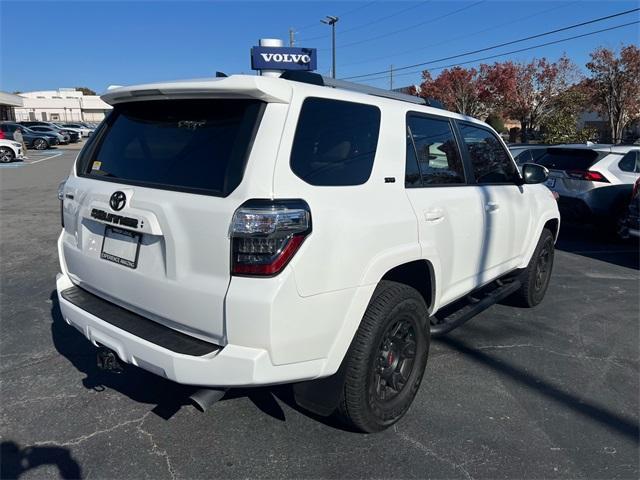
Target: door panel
451	222
449	212
505	210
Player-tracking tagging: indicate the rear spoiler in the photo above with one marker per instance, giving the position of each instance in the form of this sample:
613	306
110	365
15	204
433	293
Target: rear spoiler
236	86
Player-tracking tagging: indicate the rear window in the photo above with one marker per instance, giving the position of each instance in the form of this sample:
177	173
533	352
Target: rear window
189	145
569	158
335	142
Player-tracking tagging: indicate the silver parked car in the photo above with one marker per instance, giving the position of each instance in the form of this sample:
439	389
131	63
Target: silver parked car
593	181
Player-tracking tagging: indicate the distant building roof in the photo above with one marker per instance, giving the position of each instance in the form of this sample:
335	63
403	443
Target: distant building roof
10	99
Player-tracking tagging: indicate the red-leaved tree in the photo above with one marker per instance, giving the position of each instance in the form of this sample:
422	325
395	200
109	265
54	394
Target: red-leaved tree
527	91
459	89
615	84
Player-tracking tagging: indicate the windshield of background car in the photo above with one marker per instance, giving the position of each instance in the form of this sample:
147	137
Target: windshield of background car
189	145
570	158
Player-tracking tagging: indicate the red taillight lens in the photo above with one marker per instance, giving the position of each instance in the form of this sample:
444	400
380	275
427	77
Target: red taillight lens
636	188
587	175
266	234
2	137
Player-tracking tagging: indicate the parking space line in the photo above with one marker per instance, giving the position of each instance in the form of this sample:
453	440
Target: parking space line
45	158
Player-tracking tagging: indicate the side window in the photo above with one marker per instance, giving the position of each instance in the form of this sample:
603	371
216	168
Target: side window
432	144
491	162
335	142
523	156
630	162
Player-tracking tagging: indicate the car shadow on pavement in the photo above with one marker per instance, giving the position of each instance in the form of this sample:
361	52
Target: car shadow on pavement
14	461
627	427
135	383
144	387
589	242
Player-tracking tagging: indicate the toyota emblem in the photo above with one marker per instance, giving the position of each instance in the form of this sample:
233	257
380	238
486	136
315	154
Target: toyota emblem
118	200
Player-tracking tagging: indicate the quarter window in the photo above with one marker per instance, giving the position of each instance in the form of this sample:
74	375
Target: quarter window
491	162
630	162
335	142
432	145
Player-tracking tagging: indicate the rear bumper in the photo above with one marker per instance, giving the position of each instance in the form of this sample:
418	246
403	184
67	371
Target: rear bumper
596	204
227	366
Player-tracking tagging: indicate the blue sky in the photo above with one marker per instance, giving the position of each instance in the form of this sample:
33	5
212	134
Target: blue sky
46	45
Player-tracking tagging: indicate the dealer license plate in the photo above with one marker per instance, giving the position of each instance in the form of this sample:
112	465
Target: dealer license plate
121	246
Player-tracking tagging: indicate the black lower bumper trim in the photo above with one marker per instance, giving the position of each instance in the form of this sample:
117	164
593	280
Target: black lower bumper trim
137	325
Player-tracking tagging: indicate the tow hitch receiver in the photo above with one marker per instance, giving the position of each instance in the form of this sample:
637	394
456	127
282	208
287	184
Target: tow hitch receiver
108	361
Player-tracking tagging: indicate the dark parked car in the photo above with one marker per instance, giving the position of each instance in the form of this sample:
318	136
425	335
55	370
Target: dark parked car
36	140
633	213
71	135
526	153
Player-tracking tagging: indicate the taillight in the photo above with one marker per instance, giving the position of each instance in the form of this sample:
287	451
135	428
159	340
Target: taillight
266	234
2	137
636	187
587	175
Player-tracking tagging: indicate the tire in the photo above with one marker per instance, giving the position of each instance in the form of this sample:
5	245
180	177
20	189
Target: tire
6	155
386	360
535	278
40	144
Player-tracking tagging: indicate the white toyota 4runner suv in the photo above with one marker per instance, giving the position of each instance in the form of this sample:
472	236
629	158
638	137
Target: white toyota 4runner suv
252	230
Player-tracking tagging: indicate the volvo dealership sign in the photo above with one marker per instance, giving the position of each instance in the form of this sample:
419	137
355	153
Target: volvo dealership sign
283	58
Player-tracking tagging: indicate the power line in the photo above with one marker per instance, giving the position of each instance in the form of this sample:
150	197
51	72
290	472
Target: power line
378	20
600	19
431	20
507	53
460	37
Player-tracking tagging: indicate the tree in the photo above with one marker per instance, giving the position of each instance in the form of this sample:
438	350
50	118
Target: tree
615	84
561	126
496	121
459	89
85	90
526	91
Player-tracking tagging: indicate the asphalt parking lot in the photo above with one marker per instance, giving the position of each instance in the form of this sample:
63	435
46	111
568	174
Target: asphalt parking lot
551	392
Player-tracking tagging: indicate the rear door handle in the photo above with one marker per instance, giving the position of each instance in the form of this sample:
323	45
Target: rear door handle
434	215
491	207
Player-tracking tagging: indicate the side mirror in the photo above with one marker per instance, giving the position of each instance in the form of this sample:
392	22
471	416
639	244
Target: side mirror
534	173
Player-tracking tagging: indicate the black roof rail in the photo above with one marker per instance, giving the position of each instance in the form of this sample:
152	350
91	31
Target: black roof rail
317	79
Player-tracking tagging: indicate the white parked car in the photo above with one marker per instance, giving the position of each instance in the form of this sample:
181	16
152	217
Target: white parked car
251	230
76	127
10	151
593	181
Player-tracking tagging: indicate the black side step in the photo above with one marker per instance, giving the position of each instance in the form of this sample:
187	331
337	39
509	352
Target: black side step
137	325
454	317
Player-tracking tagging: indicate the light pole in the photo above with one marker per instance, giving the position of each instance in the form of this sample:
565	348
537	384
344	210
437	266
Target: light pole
331	20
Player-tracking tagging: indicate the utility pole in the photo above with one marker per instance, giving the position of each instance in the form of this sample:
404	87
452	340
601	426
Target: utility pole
391	78
292	40
331	20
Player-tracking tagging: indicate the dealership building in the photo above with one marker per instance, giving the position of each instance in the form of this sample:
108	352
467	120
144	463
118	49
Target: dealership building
62	105
8	103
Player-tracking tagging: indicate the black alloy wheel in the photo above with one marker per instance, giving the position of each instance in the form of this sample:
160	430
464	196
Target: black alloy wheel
40	144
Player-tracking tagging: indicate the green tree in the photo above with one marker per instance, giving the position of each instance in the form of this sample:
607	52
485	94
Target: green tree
496	122
561	124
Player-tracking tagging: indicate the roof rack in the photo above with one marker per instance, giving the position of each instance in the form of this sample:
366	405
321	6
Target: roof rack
317	79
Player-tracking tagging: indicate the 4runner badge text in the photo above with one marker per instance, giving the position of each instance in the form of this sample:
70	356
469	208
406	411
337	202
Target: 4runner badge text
113	218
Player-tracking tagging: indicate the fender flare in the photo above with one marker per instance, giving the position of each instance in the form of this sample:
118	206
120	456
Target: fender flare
536	235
